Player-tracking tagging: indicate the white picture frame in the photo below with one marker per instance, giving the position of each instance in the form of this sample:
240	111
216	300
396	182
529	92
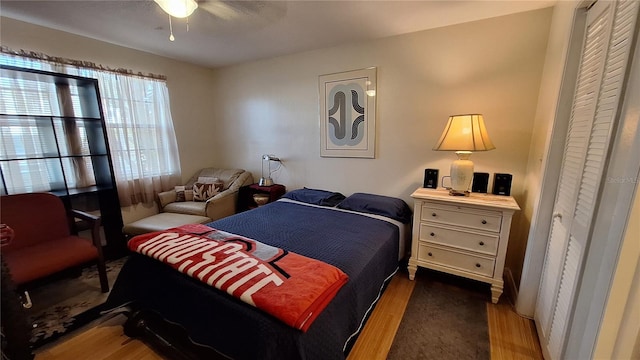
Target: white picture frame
348	113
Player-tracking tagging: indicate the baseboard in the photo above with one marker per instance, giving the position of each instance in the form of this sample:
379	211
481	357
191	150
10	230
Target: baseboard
511	291
510	285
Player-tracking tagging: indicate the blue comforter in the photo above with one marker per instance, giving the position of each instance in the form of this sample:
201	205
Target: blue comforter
365	249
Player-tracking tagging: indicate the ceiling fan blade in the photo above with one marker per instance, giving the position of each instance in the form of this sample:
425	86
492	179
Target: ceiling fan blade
238	10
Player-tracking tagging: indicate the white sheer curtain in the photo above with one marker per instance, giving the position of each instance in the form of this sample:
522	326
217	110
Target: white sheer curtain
142	141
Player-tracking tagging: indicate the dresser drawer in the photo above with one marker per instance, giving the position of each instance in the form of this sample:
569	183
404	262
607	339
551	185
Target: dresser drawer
486	244
474	264
461	216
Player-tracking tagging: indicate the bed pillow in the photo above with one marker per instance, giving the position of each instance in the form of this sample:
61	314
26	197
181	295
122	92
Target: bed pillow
390	207
314	196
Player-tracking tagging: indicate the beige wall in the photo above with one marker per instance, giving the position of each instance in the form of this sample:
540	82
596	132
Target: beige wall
491	66
230	118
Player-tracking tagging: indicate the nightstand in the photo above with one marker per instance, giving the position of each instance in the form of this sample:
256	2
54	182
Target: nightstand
245	195
462	235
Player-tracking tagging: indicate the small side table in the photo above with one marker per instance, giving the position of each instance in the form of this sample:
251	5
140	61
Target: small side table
245	195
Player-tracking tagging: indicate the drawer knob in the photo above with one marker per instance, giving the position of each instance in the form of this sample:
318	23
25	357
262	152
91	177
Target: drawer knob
478	265
430	254
433	214
484	222
432	234
481	243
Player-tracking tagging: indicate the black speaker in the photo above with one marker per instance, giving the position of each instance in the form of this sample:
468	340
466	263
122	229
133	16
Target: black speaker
502	184
431	178
480	182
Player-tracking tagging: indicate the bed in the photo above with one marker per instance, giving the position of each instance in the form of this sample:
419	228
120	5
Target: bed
364	236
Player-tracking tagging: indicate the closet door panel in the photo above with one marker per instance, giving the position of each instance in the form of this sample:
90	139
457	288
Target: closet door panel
582	112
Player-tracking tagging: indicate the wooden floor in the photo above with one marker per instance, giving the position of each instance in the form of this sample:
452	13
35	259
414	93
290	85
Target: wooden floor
511	336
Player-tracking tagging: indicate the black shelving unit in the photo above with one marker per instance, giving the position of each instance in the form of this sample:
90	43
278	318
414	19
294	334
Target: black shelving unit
72	142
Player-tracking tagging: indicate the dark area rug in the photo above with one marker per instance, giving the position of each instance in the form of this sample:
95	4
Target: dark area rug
67	303
446	318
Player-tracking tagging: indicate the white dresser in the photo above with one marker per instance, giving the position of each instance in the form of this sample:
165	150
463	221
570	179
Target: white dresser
462	235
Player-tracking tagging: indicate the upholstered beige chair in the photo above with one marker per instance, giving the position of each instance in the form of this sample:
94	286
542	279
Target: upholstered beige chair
221	205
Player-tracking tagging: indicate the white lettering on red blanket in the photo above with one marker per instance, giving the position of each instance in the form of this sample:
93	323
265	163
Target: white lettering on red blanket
291	287
177	249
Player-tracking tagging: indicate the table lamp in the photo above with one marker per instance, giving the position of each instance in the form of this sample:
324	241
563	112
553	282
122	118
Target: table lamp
463	134
266	180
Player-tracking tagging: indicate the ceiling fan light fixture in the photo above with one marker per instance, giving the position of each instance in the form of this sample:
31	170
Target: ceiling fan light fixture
178	8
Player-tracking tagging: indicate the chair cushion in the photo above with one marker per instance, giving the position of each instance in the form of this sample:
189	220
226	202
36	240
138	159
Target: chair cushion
186	207
162	221
36	261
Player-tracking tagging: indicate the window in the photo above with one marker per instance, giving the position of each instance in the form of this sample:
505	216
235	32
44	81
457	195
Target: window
137	115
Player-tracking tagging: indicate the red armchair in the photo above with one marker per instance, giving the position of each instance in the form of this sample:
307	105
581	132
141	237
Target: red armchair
43	243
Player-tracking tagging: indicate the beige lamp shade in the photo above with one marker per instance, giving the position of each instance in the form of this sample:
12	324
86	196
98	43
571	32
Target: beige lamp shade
465	133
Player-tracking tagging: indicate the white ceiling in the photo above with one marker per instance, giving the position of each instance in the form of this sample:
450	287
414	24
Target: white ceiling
230	32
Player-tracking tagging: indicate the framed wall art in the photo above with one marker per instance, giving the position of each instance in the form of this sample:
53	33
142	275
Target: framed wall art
348	114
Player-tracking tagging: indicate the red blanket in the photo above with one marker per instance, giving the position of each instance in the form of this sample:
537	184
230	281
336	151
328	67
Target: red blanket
291	287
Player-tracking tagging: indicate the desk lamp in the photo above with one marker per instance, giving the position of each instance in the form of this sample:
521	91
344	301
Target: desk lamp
267	180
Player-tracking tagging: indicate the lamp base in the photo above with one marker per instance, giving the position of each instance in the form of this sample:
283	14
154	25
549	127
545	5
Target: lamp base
265	181
458	193
461	173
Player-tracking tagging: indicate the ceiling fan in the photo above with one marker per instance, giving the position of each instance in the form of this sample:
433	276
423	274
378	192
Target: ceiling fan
255	11
179	9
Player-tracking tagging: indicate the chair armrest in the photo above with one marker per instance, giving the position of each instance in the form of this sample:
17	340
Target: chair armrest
86	216
166	198
221	205
232	189
94	222
244	179
225	203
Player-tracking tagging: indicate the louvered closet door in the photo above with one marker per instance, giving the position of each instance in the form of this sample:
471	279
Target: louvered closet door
605	57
